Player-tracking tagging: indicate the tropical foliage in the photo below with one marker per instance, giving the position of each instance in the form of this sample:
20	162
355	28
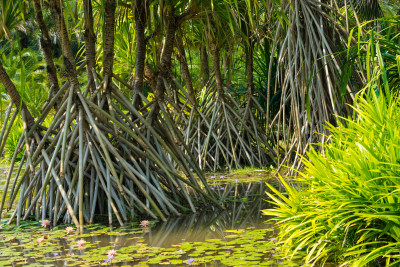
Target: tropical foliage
129	102
344	207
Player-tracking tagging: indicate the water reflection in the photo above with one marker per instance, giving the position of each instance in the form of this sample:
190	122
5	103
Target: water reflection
244	203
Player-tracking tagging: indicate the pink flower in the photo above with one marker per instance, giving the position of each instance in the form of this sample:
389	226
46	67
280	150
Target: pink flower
111	253
45	223
40	240
144	223
69	230
81	243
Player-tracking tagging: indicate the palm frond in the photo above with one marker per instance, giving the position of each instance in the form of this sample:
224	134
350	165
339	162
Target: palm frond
368	9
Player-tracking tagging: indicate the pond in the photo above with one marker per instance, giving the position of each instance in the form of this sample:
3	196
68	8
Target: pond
236	236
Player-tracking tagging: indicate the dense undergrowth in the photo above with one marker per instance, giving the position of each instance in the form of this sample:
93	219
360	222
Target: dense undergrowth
345	205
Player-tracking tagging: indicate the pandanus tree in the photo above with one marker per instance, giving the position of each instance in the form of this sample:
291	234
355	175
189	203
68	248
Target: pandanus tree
220	132
314	76
134	139
102	154
251	31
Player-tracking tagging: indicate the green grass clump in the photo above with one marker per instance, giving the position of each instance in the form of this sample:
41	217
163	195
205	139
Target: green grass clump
347	209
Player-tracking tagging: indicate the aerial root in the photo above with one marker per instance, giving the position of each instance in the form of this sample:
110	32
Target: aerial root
221	133
100	156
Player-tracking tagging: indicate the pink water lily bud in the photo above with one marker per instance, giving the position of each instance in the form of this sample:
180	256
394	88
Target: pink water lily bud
40	240
69	230
45	223
144	223
111	253
81	243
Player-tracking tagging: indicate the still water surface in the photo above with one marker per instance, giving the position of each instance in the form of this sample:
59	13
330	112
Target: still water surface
210	237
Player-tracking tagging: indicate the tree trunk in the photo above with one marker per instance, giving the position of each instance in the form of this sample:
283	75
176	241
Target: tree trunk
14	95
90	43
215	51
109	23
227	61
185	69
45	44
217	69
140	19
68	57
166	55
249	68
205	68
150	76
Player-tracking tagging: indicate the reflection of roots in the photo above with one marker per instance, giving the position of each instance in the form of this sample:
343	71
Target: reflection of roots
223	134
101	156
208	224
